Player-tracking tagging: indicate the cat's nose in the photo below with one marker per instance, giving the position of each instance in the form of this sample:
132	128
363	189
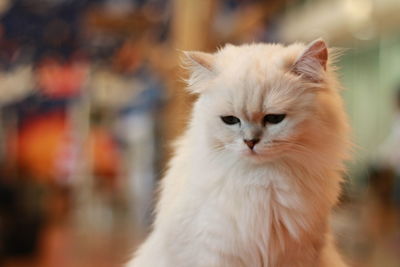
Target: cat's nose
252	142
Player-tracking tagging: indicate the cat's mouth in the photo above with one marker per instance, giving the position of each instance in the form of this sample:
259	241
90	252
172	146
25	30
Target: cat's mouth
251	153
268	150
257	154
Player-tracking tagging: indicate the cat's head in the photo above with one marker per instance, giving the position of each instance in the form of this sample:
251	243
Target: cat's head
267	101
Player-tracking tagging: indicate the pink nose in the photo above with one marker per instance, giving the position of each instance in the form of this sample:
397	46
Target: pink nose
251	143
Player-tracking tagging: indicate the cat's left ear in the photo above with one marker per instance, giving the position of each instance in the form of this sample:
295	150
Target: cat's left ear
312	62
201	68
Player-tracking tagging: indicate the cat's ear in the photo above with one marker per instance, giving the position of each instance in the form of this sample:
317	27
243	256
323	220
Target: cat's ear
204	61
200	66
312	63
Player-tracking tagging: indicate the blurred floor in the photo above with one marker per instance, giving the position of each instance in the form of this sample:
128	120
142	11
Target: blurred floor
67	240
64	246
367	234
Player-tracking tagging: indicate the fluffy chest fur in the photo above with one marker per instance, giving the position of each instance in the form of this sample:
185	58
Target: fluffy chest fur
253	217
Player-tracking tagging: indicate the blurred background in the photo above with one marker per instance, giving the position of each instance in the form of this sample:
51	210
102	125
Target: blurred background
91	94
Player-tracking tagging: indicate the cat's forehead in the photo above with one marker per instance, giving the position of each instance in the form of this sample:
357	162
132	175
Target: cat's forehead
256	58
253	78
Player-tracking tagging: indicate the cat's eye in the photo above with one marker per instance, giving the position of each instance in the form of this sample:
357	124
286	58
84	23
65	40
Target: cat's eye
230	120
273	118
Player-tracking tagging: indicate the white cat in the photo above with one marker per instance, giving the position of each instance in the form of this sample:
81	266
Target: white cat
257	172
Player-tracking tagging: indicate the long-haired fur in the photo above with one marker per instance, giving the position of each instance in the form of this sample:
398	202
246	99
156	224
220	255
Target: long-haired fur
223	204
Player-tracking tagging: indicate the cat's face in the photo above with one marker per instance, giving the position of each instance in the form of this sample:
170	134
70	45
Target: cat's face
257	118
258	101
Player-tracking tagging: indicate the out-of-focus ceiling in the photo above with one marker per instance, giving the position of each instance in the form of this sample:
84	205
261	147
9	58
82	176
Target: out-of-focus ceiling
341	21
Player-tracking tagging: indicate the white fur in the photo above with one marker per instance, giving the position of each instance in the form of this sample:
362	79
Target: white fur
223	206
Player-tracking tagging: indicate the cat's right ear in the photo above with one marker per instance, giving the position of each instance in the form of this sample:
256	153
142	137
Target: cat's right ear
201	68
312	63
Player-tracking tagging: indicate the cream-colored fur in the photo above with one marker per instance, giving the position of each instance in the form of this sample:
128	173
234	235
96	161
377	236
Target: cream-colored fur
223	205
